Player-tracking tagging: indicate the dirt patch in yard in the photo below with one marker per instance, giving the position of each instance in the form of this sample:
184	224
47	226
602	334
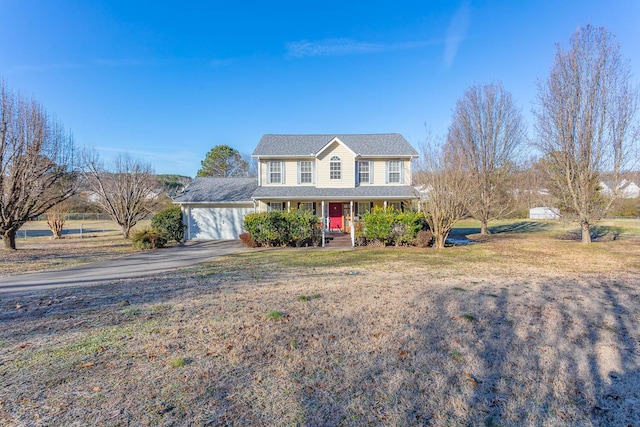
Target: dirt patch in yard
513	331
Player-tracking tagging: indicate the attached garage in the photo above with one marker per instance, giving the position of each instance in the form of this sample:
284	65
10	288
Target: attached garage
214	208
215	222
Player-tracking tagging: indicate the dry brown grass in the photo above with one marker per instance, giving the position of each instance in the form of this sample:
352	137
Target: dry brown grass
43	253
101	240
523	329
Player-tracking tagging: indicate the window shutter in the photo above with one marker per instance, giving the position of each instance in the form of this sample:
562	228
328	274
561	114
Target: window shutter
283	173
314	208
313	172
357	173
401	172
370	172
268	172
299	180
386	180
401	206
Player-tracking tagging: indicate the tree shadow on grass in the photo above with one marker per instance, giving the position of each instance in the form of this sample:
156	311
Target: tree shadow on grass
551	358
520	227
599	233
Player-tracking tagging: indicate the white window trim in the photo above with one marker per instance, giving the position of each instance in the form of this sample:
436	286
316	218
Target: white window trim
332	161
400	171
370	165
312	171
282	172
271	208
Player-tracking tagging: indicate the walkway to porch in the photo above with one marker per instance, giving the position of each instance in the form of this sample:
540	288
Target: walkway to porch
337	240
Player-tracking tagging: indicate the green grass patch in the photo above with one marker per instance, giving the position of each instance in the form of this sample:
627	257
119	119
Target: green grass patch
274	315
469	317
308	297
178	362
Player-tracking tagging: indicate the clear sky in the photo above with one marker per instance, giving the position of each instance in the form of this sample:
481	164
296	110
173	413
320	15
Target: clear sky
167	81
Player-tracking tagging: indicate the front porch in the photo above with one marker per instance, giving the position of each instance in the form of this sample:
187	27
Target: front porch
338	218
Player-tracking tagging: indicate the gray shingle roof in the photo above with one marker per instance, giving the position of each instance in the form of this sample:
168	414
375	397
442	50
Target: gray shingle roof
384	144
212	190
312	193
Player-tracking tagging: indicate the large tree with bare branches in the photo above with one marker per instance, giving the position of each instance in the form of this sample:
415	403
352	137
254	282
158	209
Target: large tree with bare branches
444	188
36	163
585	125
124	190
485	134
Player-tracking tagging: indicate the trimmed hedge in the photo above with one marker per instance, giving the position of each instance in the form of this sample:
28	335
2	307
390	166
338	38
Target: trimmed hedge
387	226
283	228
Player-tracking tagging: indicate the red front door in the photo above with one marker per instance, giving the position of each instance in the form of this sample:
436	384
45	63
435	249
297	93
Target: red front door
335	216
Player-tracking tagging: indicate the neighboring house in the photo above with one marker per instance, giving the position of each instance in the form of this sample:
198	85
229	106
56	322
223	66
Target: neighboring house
214	208
338	177
625	189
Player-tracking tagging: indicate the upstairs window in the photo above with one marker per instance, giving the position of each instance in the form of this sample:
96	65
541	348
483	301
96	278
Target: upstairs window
394	172
335	168
275	173
305	172
365	172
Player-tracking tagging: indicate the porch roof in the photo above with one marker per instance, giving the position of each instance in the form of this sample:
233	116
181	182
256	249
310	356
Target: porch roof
399	192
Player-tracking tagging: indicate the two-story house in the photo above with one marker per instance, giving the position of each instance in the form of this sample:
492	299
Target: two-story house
338	177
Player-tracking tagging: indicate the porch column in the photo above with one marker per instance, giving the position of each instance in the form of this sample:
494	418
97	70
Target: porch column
288	205
353	225
385	204
323	223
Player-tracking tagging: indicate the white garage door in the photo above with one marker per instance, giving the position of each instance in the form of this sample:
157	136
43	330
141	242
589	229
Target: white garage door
216	223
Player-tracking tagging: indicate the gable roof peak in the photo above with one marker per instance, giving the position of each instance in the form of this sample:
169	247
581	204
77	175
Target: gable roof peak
381	144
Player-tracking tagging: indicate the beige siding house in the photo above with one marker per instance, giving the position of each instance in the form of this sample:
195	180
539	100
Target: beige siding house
338	177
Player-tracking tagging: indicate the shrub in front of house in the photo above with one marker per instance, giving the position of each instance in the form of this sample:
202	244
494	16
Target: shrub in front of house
387	226
169	223
282	228
148	238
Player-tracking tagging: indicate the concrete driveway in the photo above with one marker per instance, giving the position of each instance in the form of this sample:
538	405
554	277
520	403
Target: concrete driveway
128	267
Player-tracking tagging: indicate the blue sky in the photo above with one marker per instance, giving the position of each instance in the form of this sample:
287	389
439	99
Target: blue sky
167	81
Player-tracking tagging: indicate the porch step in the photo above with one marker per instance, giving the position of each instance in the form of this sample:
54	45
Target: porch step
337	240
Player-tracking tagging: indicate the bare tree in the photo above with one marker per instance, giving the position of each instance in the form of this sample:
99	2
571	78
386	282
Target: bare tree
36	163
444	189
485	134
585	115
56	218
125	191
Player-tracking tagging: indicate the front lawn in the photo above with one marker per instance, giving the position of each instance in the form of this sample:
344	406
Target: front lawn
525	328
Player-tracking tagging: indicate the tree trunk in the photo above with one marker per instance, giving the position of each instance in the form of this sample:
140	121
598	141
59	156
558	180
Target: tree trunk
125	231
484	227
9	239
586	232
439	240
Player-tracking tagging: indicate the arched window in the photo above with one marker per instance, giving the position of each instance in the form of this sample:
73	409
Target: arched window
335	169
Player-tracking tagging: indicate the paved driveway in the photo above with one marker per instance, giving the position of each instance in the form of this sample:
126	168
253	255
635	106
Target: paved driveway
127	267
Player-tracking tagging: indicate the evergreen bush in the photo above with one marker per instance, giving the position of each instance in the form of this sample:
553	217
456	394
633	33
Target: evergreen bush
169	223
